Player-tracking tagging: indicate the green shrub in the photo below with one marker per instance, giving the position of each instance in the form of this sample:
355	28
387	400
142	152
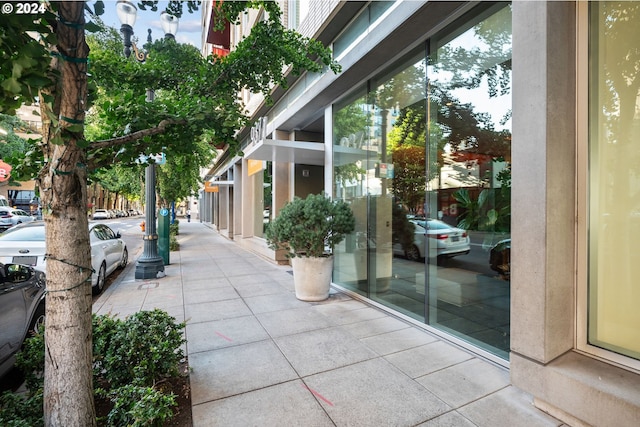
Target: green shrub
18	410
174	229
136	406
104	328
130	357
306	227
30	360
173	243
143	349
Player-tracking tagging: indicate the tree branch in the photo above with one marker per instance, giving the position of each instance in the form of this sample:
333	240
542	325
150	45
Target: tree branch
125	139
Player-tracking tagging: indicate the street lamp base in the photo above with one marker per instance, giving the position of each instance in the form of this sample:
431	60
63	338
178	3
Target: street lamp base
149	268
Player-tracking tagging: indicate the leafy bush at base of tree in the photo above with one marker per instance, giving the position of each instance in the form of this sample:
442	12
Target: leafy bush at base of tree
18	410
130	358
174	230
136	406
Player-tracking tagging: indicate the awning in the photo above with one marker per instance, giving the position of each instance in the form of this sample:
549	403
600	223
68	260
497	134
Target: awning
278	150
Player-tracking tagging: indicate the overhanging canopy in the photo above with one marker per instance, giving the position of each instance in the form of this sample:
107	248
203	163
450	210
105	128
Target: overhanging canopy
278	150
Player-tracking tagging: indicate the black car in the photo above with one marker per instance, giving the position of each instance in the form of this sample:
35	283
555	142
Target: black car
21	309
500	258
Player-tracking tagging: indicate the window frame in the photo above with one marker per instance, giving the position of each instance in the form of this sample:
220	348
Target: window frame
582	215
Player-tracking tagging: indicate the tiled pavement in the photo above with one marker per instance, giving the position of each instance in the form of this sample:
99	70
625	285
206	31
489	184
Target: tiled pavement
260	357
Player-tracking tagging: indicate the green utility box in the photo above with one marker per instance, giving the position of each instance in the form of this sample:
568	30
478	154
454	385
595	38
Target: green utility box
163	234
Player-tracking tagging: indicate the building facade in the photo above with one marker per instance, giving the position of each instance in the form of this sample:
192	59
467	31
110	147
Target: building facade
455	131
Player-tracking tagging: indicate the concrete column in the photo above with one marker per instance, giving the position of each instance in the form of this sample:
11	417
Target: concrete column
247	202
543	179
282	180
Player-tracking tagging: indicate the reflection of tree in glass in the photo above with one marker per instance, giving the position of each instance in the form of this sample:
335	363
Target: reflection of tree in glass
404	88
489	57
350	126
409	181
483	54
350	120
620	32
268	188
470	73
467	130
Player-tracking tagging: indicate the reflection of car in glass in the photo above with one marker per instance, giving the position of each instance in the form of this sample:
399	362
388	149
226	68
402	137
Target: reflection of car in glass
21	309
25	244
450	241
500	257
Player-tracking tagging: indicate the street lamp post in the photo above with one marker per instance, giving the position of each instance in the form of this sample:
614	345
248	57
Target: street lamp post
150	265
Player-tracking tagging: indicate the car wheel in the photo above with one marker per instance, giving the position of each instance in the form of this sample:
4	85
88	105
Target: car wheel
37	321
125	258
102	275
413	253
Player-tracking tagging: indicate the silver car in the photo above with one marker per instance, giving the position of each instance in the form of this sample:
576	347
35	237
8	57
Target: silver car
25	244
21	309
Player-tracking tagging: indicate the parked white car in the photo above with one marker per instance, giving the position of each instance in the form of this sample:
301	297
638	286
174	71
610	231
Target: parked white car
101	214
25	244
11	216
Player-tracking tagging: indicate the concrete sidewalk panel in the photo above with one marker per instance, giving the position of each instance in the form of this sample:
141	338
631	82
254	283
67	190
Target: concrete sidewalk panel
463	383
215	310
221	293
373	327
345	317
374	393
217	334
208	283
403	339
260	289
230	371
289	322
288	404
267	303
428	358
322	350
508	407
450	419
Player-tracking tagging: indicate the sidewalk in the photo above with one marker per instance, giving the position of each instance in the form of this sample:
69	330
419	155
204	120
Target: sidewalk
260	357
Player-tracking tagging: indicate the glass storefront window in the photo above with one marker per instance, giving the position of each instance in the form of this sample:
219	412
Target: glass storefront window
469	179
423	157
260	177
614	178
351	127
267	196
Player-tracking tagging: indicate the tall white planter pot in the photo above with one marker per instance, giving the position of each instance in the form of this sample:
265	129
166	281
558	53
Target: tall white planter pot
312	277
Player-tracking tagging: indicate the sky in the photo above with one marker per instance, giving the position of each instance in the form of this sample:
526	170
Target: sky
189	27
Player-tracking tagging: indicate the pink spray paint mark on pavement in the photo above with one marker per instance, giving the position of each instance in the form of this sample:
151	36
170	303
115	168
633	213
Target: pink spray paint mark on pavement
223	336
318	395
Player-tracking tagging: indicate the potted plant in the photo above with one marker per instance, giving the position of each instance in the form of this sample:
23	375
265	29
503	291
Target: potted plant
307	229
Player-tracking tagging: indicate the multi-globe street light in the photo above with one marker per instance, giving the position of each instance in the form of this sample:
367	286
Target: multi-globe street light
150	265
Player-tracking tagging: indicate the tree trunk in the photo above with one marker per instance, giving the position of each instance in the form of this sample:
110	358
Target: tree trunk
68	388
